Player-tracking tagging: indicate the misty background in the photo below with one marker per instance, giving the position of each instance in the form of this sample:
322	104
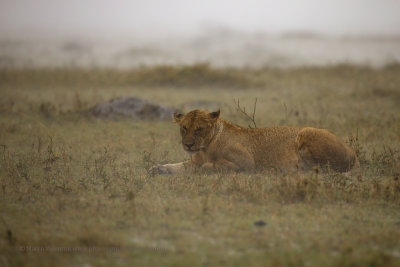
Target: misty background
250	33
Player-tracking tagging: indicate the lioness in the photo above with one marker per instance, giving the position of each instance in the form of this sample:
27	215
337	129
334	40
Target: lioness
218	145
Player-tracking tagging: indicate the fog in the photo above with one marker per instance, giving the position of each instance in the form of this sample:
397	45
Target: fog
124	17
222	32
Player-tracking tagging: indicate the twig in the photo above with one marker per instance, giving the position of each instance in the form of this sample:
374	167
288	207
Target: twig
243	111
286	113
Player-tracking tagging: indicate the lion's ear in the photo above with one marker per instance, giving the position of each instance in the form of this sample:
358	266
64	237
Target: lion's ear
178	117
215	114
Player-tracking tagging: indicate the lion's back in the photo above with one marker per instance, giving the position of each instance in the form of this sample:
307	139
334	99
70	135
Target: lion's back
269	147
290	148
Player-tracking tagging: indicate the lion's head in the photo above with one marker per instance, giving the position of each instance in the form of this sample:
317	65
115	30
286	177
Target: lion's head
197	128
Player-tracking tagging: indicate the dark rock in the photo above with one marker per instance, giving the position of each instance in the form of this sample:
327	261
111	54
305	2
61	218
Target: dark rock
260	223
134	108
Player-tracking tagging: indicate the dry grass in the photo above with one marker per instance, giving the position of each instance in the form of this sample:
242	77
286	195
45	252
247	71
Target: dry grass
177	76
75	190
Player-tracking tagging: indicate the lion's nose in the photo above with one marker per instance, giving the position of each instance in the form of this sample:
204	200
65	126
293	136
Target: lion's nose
189	145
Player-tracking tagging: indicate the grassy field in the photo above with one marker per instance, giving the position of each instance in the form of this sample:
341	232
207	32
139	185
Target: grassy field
76	191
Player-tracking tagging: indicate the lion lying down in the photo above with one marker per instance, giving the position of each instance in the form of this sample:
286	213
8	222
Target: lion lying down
218	145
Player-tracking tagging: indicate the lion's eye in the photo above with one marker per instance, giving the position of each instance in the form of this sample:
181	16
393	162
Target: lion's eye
198	130
184	129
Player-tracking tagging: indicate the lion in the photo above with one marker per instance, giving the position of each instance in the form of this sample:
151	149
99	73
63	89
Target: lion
219	145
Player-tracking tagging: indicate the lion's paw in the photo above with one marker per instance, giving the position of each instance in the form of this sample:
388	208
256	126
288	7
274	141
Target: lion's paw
159	169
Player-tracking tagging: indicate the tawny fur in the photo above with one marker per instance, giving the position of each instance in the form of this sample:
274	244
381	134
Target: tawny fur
218	145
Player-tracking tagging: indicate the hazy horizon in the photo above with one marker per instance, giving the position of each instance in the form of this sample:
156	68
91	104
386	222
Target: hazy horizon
253	33
154	18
